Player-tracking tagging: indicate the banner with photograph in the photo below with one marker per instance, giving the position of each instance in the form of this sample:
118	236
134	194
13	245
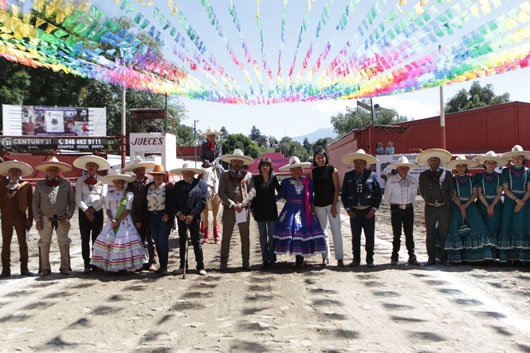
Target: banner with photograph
383	173
28	120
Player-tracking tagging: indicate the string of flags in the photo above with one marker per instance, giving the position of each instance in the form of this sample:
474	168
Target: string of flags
351	49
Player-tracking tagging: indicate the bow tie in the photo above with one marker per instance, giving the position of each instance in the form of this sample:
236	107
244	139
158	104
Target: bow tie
236	176
211	146
435	174
91	180
53	183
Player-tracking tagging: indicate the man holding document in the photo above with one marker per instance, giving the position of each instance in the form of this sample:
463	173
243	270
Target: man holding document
236	190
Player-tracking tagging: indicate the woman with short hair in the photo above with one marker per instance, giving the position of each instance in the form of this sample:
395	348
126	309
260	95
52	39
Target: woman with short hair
265	210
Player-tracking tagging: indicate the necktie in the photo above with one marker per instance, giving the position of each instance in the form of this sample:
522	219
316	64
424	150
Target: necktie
91	181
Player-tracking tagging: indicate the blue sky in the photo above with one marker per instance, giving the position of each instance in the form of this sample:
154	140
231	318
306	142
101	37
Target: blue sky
294	119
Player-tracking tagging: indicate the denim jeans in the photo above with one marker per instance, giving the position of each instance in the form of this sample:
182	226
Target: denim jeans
266	240
160	234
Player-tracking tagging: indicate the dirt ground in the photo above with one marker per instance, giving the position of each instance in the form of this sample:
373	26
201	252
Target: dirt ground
316	309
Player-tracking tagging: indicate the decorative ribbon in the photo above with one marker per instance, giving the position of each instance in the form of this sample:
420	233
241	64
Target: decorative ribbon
121	209
307	205
91	181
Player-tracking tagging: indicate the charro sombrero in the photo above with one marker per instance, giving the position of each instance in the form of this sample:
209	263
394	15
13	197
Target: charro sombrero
109	179
210	131
491	156
138	162
517	150
423	158
294	162
81	162
238	154
158	169
187	167
53	162
25	169
403	162
470	163
360	154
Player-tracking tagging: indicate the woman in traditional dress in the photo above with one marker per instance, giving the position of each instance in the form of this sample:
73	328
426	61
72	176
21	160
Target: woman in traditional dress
297	230
160	217
489	191
118	247
265	210
468	239
326	182
514	236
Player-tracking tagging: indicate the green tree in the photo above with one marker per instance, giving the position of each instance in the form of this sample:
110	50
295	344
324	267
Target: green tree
289	148
224	131
359	118
255	134
321	143
477	97
249	147
307	145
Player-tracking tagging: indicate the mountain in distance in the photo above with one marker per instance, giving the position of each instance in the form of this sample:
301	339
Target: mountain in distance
317	134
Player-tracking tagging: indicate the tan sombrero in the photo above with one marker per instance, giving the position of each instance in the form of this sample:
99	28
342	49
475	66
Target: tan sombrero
423	158
210	131
360	154
81	162
138	162
109	179
238	154
158	169
25	169
403	162
294	162
491	156
470	163
187	167
53	162
517	150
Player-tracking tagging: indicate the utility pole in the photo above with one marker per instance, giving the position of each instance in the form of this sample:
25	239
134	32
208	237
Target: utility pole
195	141
442	109
123	128
372	111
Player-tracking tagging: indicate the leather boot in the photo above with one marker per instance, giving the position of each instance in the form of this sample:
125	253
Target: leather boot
6	263
216	234
206	236
24	269
65	258
44	255
6	272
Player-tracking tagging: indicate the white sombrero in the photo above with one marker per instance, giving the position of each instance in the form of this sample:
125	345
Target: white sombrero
81	162
360	154
187	167
517	150
25	169
53	162
210	131
109	179
138	162
238	154
470	163
423	158
403	162
491	156
294	162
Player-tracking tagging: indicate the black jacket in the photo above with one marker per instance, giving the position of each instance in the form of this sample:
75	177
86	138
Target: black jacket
367	193
190	198
264	204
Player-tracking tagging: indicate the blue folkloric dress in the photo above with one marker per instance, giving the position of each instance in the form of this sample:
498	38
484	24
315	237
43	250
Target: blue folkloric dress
468	240
514	236
489	184
297	230
121	250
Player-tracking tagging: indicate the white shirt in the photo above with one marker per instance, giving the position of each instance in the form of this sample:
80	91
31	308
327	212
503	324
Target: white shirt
400	190
90	196
156	197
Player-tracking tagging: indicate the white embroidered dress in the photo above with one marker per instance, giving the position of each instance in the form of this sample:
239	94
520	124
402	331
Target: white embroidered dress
123	250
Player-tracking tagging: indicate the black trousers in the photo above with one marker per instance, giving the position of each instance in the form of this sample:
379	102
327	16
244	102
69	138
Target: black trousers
89	230
435	215
358	224
147	241
194	228
402	219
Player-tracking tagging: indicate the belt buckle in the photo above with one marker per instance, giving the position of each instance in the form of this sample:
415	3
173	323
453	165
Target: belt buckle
402	206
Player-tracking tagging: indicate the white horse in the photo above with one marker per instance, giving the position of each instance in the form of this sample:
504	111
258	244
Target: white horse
214	204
